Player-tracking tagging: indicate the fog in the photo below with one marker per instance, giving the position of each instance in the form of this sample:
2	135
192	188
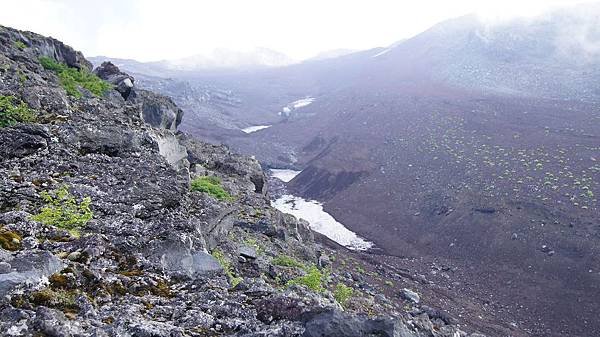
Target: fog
155	30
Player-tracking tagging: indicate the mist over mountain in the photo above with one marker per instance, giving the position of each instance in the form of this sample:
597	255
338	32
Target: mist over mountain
328	54
225	58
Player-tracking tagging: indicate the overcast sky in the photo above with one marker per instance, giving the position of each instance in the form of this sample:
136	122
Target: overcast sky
149	30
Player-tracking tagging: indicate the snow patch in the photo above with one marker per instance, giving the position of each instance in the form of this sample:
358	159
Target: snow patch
284	175
255	128
286	110
321	221
302	102
383	52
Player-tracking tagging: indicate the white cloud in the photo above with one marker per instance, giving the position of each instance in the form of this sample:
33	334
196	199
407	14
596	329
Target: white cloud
153	30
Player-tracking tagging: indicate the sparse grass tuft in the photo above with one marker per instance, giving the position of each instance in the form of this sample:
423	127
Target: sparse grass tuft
72	78
63	211
227	268
13	111
286	261
313	280
212	186
342	293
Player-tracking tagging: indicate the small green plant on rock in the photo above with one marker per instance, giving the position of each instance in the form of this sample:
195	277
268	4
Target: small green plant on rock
313	280
212	186
20	45
62	210
286	261
252	242
72	78
13	111
342	293
227	268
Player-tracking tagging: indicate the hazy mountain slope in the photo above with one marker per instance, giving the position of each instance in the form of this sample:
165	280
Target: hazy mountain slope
473	142
476	143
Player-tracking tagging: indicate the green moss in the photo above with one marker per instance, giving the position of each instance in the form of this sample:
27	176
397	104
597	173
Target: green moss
212	186
63	211
342	293
13	111
60	299
10	240
286	261
72	78
313	280
20	44
58	281
227	268
161	289
132	273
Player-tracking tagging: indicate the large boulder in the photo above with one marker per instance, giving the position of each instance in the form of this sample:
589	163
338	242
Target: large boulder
111	73
22	140
27	268
157	110
334	323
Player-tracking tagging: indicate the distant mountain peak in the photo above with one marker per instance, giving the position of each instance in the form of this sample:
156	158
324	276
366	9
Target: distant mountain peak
227	58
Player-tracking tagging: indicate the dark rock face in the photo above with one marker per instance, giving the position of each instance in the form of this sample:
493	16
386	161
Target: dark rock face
22	141
141	266
157	110
334	323
44	47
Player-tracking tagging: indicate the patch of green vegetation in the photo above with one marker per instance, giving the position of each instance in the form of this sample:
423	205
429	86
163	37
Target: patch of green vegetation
19	44
63	211
360	269
227	268
72	78
9	240
252	242
286	261
22	77
342	293
60	299
212	186
313	280
13	111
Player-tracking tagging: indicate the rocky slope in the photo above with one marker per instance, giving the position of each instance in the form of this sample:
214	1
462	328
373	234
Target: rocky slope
100	234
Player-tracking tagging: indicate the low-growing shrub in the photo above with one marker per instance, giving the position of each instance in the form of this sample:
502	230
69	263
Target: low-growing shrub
313	280
72	78
62	210
212	186
13	111
342	293
227	268
286	261
20	45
